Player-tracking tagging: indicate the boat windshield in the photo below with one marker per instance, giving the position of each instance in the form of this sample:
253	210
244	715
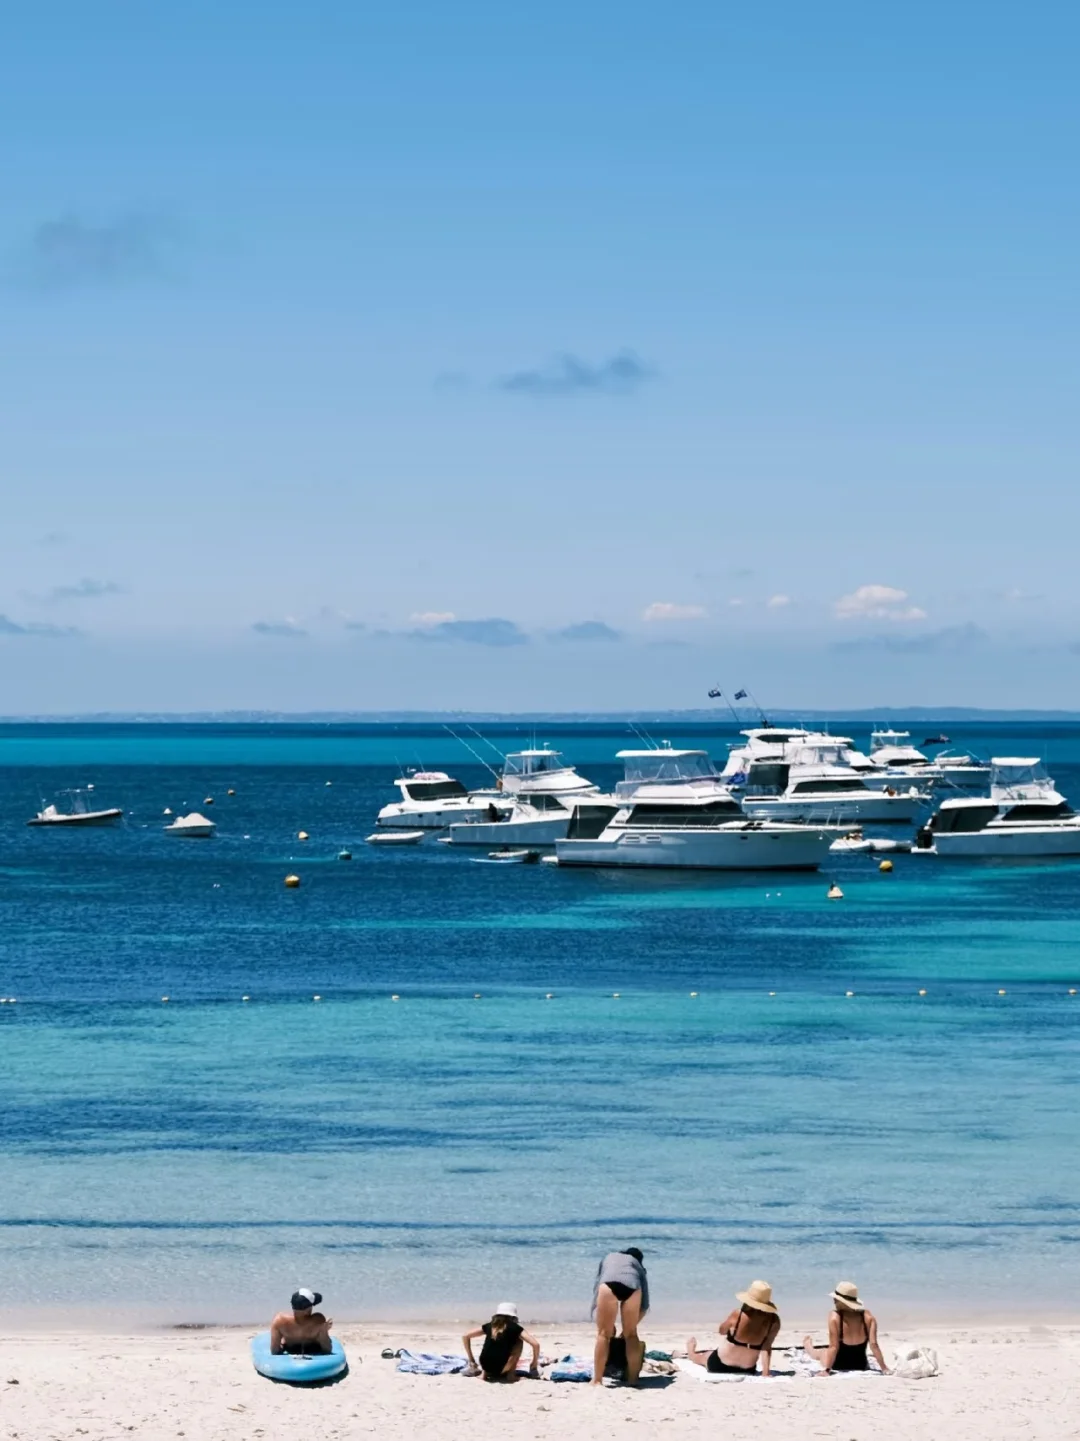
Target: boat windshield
433	790
662	765
716	813
533	763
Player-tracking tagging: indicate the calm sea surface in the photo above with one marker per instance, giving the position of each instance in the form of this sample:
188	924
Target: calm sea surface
197	1158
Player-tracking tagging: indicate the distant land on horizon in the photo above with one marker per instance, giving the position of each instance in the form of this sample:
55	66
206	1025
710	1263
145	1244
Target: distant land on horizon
786	715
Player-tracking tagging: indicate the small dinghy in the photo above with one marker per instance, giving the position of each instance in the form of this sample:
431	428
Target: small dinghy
856	841
299	1370
395	838
194	825
508	857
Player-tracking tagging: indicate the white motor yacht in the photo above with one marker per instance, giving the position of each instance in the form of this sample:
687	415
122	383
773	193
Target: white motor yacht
1024	815
432	800
824	794
961	772
672	809
537	795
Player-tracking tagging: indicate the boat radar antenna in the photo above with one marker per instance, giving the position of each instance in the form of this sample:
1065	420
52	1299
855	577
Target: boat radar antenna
473	752
717	694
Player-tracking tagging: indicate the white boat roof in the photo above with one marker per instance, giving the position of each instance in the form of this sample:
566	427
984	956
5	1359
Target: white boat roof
544	751
655	751
1015	761
775	732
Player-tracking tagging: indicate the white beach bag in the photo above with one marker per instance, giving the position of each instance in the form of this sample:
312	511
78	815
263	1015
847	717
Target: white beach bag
916	1363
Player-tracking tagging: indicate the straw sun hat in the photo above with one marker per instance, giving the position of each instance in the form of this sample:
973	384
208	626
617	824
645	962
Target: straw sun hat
847	1295
758	1296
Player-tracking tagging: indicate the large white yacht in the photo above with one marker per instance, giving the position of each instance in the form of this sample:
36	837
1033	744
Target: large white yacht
1024	815
820	793
432	800
532	805
672	809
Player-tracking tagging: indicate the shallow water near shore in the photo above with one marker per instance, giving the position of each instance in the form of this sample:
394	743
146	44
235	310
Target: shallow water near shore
195	1158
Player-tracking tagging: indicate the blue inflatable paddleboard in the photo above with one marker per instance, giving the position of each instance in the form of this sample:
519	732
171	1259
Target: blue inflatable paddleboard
298	1369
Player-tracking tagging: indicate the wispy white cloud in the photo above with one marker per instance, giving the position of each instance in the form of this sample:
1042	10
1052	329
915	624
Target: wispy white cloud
736	601
289	628
433	617
671	610
877	602
569	375
33	627
777	602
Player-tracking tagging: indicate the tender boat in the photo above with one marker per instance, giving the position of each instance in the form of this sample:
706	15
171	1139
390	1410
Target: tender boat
961	772
395	838
434	800
857	843
673	810
1024	815
195	826
78	812
509	857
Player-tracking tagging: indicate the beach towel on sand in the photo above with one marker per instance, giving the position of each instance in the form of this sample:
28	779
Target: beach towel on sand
789	1364
571	1368
428	1363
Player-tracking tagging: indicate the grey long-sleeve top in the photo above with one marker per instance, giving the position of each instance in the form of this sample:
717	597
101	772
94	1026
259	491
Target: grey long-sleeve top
624	1270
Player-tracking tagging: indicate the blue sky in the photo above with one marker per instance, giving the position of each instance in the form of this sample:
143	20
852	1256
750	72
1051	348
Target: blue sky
561	356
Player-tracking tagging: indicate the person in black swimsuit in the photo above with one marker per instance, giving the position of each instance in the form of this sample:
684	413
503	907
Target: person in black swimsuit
504	1339
852	1329
620	1292
746	1336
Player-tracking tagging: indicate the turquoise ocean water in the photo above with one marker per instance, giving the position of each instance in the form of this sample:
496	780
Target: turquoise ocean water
196	1158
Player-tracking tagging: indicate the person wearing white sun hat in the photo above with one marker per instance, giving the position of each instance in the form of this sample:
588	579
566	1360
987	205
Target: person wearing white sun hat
746	1335
504	1339
303	1330
852	1329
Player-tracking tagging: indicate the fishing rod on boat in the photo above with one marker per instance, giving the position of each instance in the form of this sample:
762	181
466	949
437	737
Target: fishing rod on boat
474	753
481	737
743	695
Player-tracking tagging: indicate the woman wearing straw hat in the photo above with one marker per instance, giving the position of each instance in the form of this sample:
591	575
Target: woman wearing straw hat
852	1328
746	1336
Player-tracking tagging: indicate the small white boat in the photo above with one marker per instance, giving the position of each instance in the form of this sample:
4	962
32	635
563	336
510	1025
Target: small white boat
395	838
855	841
194	825
433	799
78	812
508	858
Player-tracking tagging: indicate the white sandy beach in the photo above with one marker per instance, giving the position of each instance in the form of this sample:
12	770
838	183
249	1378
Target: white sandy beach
1012	1380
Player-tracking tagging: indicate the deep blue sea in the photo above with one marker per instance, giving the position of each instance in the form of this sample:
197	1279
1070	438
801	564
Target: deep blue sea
197	1158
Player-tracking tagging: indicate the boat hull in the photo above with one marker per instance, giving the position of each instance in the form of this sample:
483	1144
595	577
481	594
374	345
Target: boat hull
88	818
544	831
432	818
1045	841
734	850
835	810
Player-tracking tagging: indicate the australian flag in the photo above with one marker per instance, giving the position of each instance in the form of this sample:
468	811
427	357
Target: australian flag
715	694
740	695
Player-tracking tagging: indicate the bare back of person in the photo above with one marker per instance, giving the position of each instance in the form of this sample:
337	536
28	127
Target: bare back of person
303	1329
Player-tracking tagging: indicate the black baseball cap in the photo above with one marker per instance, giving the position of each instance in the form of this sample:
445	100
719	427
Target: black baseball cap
303	1300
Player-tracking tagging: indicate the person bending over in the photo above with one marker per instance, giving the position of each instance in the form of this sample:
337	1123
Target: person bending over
746	1336
852	1329
620	1292
504	1339
303	1331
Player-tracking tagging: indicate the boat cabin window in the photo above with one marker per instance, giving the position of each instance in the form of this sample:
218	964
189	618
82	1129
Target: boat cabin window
588	822
767	779
963	818
434	790
672	814
534	765
820	788
1059	811
541	801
